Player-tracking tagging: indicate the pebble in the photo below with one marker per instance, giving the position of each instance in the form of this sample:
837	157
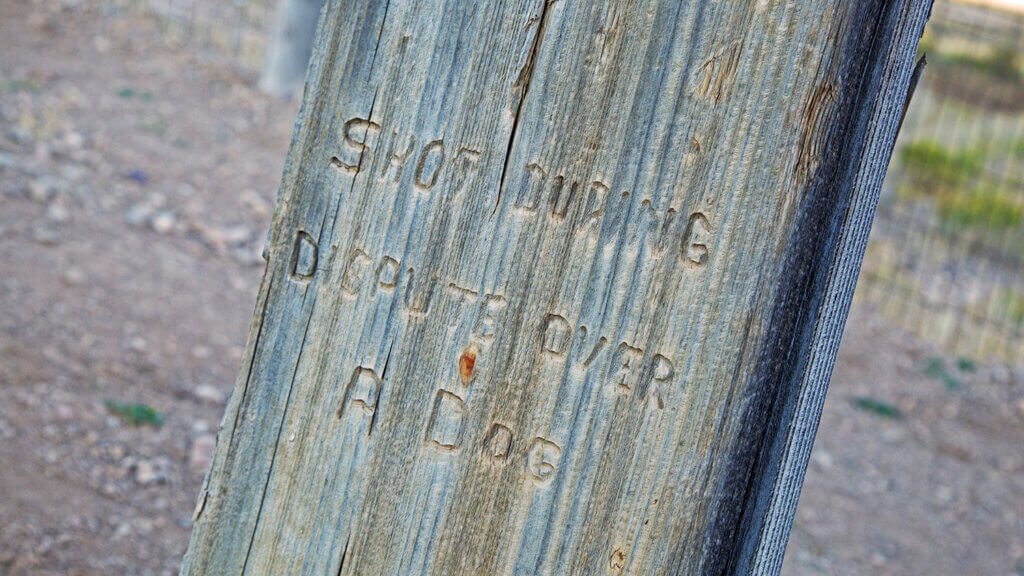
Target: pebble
73	140
221	239
151	471
823	459
255	203
101	44
43	189
57	212
74	276
163	222
208	393
123	530
138	214
63	412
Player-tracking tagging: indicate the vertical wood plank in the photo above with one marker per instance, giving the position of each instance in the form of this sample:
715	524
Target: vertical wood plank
555	287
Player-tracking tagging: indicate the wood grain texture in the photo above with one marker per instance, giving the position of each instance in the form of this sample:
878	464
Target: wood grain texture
555	287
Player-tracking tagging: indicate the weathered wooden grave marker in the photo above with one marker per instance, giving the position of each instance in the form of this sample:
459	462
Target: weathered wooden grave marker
555	287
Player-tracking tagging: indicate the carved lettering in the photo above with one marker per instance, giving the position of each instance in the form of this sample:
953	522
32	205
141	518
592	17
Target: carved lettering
462	295
542	460
429	165
562	194
486	320
396	160
362	392
625	362
356	266
664	238
387	273
584	357
498	444
528	196
357	136
466	162
656	378
419	293
304	257
444	428
593	209
695	240
554	335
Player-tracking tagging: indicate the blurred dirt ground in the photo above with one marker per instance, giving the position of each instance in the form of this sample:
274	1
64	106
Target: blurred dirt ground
137	180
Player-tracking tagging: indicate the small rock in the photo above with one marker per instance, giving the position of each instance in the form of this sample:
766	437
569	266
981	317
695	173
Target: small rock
63	412
255	203
201	454
163	222
222	239
138	215
822	459
208	393
57	212
137	176
893	434
43	189
878	559
74	276
123	531
101	44
151	471
73	140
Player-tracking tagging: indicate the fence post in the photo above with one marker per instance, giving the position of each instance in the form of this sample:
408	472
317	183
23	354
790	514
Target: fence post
555	286
290	46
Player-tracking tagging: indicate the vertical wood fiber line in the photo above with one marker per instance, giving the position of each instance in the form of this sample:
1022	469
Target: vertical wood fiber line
555	286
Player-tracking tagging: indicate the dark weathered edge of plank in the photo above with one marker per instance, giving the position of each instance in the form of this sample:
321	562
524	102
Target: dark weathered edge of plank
774	486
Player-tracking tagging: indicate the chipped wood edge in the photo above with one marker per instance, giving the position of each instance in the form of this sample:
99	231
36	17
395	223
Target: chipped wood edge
785	457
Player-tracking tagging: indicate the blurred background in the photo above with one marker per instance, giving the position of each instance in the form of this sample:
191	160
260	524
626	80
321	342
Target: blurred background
141	144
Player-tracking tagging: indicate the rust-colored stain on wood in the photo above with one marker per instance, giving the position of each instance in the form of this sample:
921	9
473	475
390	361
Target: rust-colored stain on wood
467	364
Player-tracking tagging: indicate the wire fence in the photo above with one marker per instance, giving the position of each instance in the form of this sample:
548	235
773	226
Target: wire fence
237	29
946	257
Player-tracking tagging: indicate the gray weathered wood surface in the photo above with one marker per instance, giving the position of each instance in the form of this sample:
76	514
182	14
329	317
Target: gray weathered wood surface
555	287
